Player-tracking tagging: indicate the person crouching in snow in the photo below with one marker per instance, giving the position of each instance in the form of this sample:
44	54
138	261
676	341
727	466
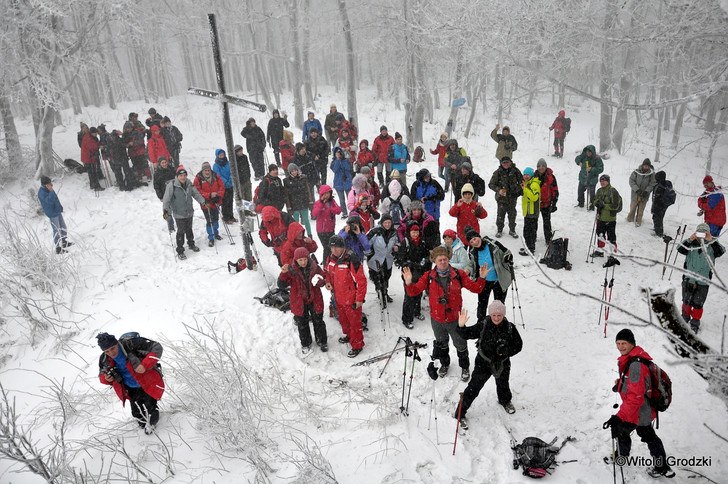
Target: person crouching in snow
306	278
346	280
498	340
210	186
132	368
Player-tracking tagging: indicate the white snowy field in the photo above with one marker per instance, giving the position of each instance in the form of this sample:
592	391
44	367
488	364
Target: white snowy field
129	280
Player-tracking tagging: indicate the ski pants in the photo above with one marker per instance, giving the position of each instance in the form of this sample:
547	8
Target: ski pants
658	215
227	204
322	169
441	348
648	436
304	327
140	165
481	373
506	207
350	320
92	169
324	239
693	299
580	193
484	296
559	146
411	307
58	225
530	228
606	230
184	230
256	159
548	234
212	221
143	406
381	277
636	208
342	202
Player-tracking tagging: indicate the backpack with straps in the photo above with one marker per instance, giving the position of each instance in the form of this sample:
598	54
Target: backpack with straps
660	392
668	194
396	211
555	257
536	457
567	125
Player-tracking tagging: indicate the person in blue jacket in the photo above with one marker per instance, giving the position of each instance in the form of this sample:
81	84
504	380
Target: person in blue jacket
309	124
54	211
428	191
398	156
222	168
342	169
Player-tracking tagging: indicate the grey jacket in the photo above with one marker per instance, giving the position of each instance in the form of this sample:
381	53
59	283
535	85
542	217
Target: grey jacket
177	199
642	182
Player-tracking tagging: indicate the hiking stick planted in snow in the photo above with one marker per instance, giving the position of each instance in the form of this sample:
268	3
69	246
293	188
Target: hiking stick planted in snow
674	261
589	250
667	239
457	426
392	353
227	229
516	296
669	256
415	357
722	336
404	374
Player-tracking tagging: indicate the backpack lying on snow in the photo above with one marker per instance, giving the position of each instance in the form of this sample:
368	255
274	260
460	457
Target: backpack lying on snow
277	298
556	253
535	456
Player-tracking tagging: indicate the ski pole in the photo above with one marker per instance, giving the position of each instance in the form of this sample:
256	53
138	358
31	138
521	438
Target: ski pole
390	356
667	239
516	296
669	256
404	375
604	297
685	227
415	357
594	229
614	462
457	426
227	229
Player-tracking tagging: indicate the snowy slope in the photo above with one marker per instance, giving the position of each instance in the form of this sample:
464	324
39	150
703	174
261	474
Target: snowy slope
561	381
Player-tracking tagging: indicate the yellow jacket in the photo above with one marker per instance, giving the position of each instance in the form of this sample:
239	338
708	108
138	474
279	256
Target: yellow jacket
531	201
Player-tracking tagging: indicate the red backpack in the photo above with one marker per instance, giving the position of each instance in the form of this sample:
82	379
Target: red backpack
660	393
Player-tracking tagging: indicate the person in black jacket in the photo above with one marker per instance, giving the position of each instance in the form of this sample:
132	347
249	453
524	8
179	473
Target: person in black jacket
506	183
173	139
411	252
467	175
271	191
255	142
299	198
243	173
162	175
274	133
498	340
307	165
318	148
660	201
119	162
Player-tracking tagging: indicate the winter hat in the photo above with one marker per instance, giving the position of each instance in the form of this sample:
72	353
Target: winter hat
497	307
444	133
505	158
93	130
359	182
332	106
287	135
293	167
703	227
106	341
44	180
397	135
506	128
101	128
272	167
416	205
364	197
353	219
626	335
660	176
365	170
467	165
452	142
364	142
275	111
467	188
181	170
166	119
438	251
528	171
336	241
152	111
310	112
394	174
384	218
133	115
449	233
313	130
413	224
423	173
395	189
250	120
541	162
604	177
205	166
382	128
646	162
300	253
324	189
299	146
707	179
237	148
562	113
471	233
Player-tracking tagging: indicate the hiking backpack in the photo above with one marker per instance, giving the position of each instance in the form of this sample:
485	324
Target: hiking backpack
668	194
535	456
277	298
555	257
396	211
660	393
419	155
256	200
567	125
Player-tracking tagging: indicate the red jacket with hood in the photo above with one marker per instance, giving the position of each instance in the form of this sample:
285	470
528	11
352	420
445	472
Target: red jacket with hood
558	126
294	241
288	152
445	313
712	202
156	146
634	383
303	291
365	156
467	214
346	276
151	381
274	229
89	149
380	148
325	213
440	150
549	188
207	188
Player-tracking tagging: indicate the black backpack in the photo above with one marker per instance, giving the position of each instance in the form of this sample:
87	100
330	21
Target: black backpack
535	456
668	194
567	125
279	298
396	211
555	257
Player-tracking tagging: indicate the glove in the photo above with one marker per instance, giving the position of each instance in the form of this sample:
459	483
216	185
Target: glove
316	280
165	215
700	213
432	371
508	259
553	207
215	199
599	204
613	421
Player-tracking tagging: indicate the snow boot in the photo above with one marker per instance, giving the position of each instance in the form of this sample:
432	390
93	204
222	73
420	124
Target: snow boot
663	471
509	408
194	248
181	256
499	234
353	353
463	420
443	370
513	234
695	325
211	243
218	237
306	350
465	374
343	339
323	347
149	429
523	251
408	324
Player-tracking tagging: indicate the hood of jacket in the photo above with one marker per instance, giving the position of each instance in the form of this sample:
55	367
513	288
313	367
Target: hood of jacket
422	174
325	189
589	148
395	189
359	182
294	230
270	214
221	161
156	131
641	173
338	148
637	351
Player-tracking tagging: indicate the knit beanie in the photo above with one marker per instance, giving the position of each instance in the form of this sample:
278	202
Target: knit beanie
106	341
416	205
497	307
626	335
467	188
300	253
471	233
703	227
541	162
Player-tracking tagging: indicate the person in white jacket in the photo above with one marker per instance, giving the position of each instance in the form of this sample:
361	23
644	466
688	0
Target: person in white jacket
396	204
382	238
459	258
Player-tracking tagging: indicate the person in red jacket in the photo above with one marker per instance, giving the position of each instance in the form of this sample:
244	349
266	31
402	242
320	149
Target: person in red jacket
712	204
444	284
274	229
366	213
440	150
559	127
346	279
287	148
157	147
549	196
296	238
90	158
467	212
131	367
305	278
212	188
636	412
380	148
365	157
324	212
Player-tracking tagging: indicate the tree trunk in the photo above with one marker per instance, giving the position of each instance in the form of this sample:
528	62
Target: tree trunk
678	123
499	92
605	81
44	143
457	89
12	141
658	136
473	102
258	65
305	59
296	66
350	81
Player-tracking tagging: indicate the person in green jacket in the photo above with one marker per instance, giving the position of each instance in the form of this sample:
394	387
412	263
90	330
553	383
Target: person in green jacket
507	143
531	206
700	251
591	167
608	203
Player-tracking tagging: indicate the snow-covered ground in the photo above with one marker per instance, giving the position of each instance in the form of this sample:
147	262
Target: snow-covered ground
129	280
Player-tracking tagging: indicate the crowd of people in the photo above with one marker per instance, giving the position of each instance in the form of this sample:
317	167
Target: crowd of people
388	223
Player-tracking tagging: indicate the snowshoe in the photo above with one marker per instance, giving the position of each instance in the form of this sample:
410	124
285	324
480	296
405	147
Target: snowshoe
465	374
181	256
408	324
194	248
442	371
353	353
218	237
658	472
513	234
509	408
343	339
211	243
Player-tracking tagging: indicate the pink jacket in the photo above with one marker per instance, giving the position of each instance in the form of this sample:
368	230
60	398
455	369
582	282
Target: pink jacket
325	213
